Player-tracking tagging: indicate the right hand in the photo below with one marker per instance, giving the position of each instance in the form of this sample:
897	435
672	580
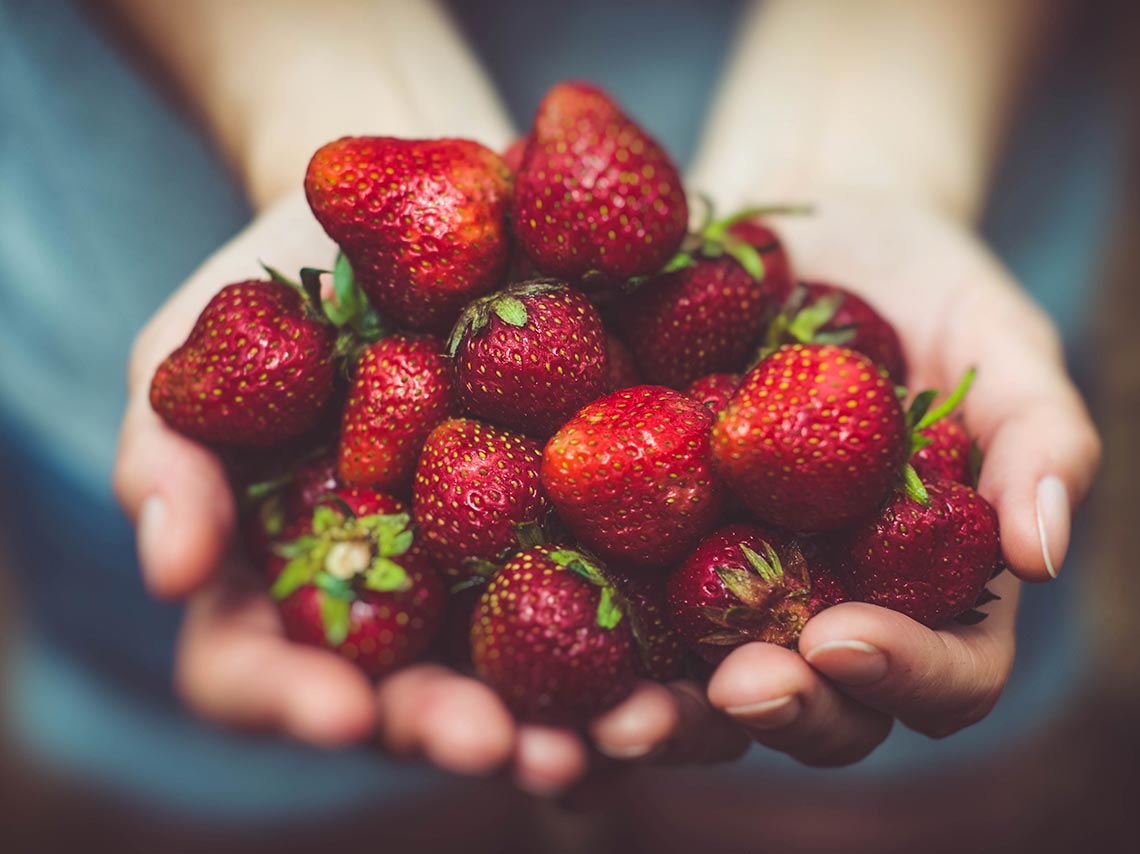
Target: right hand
234	664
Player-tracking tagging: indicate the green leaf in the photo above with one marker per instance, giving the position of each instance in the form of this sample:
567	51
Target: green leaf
297	572
808	321
277	276
840	336
386	576
511	310
266	488
746	256
770	569
919	407
333	586
344	284
391	532
325	518
478	567
609	611
913	485
301	545
947	406
335	617
680	261
729	638
971	617
743	584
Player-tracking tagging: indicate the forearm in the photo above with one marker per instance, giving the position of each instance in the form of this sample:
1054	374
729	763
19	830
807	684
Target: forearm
880	96
272	81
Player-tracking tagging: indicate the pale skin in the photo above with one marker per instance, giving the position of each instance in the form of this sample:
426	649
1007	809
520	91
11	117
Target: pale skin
886	121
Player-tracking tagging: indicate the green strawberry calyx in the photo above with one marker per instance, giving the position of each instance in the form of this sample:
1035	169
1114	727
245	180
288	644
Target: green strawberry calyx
343	555
610	610
797	323
920	417
770	609
507	304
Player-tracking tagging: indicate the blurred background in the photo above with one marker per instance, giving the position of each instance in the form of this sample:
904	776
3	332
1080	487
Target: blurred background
94	749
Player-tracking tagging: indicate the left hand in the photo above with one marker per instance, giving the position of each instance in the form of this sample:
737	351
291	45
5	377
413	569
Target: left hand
859	667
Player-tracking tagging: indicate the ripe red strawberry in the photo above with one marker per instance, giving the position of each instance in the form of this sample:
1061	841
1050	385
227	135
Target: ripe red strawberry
550	637
778	277
742	583
315	479
714	390
819	313
930	561
475	485
596	198
401	390
622	373
631	475
813	439
423	222
529	356
660	650
359	584
948	454
271	505
257	368
513	155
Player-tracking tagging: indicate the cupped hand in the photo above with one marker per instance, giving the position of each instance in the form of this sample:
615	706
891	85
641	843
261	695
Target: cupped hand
234	665
860	667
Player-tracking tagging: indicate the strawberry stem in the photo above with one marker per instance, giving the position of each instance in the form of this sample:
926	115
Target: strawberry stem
947	406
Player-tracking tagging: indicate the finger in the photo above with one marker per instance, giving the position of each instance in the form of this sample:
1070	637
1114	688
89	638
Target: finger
638	725
454	721
1041	448
176	492
549	760
704	734
935	682
235	667
785	705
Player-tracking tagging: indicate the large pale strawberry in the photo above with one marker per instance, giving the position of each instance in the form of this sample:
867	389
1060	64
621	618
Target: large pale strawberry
549	635
359	584
631	475
423	222
743	583
814	438
257	368
929	561
529	356
401	390
596	198
475	486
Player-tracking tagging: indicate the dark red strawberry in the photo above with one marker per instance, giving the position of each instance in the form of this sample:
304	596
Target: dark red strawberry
596	198
550	637
948	454
623	372
454	639
529	356
818	313
660	650
401	390
778	277
929	561
257	368
814	438
513	155
315	479
423	222
714	390
475	485
631	476
743	583
359	584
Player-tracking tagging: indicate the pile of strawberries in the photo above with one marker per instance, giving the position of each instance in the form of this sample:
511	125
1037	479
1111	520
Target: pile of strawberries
533	426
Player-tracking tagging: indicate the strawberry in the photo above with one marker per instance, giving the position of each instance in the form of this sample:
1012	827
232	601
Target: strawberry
661	651
423	222
622	371
551	638
529	356
257	368
714	390
813	439
359	584
947	456
272	505
474	486
313	480
929	561
778	277
513	154
631	475
401	390
596	200
742	583
818	313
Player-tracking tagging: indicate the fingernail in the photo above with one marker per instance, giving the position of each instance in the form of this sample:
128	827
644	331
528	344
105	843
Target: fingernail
626	752
769	714
1053	515
849	661
151	533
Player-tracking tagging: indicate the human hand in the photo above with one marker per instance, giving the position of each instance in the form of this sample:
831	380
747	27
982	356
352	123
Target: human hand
859	667
234	664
